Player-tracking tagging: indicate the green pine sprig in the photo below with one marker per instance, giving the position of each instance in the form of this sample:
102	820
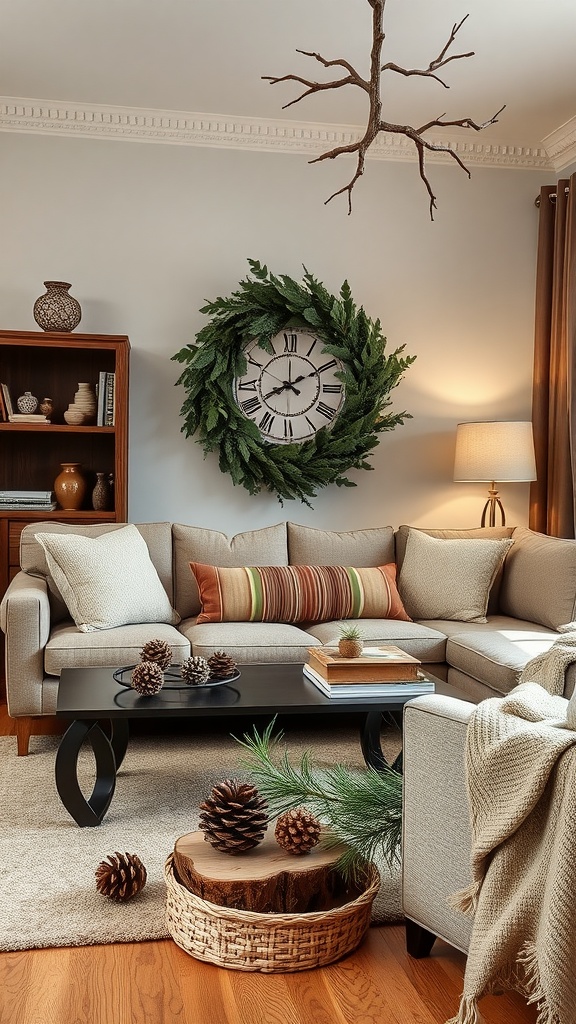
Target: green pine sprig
262	306
361	808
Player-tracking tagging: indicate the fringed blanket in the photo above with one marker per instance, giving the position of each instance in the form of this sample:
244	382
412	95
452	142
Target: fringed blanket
521	775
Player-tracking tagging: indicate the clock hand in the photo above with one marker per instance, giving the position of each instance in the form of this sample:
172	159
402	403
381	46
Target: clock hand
303	376
286	385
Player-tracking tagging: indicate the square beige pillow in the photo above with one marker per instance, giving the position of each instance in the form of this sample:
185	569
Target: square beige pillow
449	579
107	581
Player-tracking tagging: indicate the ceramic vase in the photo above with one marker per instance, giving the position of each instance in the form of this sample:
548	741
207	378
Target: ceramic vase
56	310
85	401
27	403
70	487
46	407
102	493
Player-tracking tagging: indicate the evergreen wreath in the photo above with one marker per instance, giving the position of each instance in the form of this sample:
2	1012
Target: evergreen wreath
263	306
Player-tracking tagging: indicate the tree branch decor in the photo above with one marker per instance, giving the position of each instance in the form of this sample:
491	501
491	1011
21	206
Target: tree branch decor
371	86
264	305
360	807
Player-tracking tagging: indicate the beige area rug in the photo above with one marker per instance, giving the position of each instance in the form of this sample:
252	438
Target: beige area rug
47	863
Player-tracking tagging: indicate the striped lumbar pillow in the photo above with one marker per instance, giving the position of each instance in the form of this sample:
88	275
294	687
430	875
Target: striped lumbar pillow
297	593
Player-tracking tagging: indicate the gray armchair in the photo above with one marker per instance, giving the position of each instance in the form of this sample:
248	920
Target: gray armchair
436	829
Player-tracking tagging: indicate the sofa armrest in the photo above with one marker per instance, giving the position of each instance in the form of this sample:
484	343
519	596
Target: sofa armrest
25	621
436	828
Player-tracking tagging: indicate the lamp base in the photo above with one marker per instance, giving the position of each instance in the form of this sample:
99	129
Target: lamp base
490	507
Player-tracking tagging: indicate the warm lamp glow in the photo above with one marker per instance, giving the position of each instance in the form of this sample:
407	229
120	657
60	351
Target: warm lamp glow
489	451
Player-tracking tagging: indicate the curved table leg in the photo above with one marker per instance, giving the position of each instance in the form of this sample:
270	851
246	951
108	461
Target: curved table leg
118	733
86	813
372	747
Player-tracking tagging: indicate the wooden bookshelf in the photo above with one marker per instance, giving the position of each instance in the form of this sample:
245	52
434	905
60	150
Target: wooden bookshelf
53	364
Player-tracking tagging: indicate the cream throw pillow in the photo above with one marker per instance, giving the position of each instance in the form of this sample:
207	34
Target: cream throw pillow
108	580
449	579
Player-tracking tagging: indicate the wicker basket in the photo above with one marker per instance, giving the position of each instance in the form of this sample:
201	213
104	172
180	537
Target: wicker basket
272	943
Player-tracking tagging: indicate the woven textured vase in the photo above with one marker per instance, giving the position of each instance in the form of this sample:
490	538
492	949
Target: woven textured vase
56	310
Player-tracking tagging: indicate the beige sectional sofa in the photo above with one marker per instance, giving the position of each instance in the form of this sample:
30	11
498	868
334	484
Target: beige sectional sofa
533	595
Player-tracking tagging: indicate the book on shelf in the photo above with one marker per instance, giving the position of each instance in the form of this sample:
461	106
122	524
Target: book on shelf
48	506
32	495
3	410
369	691
7	400
109	400
28	417
374	665
101	391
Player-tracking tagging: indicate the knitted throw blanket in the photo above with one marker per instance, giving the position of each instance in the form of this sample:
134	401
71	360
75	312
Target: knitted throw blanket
521	776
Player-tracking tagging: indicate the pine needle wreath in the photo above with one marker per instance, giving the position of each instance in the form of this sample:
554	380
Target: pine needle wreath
263	306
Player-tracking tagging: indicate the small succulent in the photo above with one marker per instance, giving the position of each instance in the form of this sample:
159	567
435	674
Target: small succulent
351	641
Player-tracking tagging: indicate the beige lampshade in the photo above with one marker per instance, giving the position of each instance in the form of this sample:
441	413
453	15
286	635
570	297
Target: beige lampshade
500	451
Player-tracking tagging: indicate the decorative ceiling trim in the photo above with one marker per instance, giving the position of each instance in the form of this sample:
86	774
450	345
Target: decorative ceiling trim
560	145
173	127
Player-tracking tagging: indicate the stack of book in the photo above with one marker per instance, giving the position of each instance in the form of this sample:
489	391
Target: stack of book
384	671
30	501
106	399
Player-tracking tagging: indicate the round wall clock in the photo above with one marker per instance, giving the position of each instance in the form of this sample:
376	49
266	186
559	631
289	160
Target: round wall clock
289	385
292	391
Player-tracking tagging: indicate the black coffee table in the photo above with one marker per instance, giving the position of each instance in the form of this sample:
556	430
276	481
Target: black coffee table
101	709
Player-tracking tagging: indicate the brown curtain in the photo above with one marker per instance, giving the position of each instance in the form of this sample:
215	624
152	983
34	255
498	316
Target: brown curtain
553	494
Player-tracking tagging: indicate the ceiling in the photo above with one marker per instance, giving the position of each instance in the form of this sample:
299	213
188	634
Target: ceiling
209	56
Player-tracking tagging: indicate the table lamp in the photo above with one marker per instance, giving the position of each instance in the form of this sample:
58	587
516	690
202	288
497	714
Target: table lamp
492	451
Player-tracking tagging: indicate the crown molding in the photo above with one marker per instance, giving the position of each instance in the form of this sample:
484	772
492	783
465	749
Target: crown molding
560	145
181	128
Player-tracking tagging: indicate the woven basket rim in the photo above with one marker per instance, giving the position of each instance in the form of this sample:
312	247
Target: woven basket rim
250	916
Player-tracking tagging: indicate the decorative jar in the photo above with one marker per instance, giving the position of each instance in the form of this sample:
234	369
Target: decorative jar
70	487
102	493
56	310
85	401
27	403
47	408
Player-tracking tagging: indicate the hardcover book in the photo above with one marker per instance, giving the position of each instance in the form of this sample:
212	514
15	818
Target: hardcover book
369	691
375	665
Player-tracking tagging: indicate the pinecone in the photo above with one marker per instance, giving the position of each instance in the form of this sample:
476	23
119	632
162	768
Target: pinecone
234	816
297	831
121	876
221	665
158	651
195	671
147	678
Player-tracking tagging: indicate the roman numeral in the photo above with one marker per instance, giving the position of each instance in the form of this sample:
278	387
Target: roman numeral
247	385
327	366
311	347
290	342
266	422
310	424
332	389
254	362
288	429
251	405
326	410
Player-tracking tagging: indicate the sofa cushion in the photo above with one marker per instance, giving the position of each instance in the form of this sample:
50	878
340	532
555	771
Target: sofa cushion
194	544
296	593
108	580
449	579
475	533
540	579
364	548
158	537
496	657
270	643
117	647
417	639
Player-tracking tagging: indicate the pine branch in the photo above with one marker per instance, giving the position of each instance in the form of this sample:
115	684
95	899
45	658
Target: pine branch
361	808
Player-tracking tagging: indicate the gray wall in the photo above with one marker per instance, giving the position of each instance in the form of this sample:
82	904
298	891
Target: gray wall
146	233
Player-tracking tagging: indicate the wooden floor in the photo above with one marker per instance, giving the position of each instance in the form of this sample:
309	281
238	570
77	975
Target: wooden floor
157	983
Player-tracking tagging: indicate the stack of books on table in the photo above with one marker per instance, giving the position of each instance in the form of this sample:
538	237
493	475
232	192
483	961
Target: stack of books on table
384	671
29	501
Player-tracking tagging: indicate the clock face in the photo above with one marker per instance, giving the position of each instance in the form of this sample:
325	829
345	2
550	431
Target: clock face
293	393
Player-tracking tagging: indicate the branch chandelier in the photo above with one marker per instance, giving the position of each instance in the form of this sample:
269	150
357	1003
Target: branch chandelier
371	86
